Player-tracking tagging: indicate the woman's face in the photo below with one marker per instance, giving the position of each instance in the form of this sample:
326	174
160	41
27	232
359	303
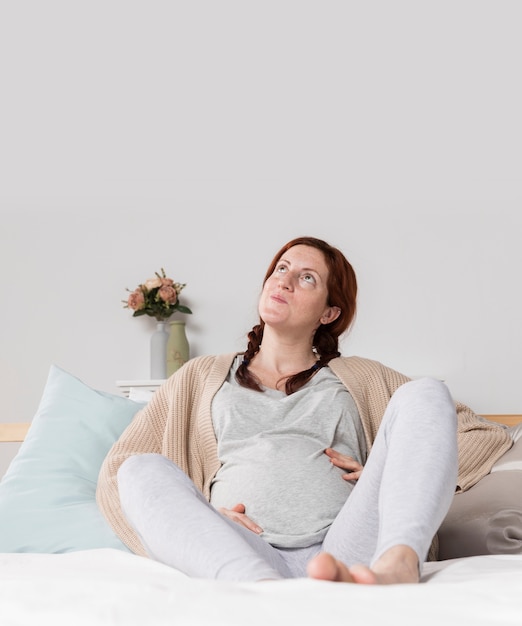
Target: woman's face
295	296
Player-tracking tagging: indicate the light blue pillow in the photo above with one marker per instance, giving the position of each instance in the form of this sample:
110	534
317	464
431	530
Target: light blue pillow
47	496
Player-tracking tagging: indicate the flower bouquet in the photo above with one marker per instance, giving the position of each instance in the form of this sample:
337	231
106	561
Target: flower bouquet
157	297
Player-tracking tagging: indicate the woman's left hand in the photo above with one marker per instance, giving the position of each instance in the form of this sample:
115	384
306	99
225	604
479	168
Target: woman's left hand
353	467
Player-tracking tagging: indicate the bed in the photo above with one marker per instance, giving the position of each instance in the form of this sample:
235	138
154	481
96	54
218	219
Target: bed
61	563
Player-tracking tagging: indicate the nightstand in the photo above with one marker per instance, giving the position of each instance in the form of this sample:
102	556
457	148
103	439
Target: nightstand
135	389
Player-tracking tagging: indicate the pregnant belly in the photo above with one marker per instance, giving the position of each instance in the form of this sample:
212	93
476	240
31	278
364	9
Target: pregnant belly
293	498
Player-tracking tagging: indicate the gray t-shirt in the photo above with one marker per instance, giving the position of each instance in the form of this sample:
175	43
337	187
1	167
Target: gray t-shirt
271	447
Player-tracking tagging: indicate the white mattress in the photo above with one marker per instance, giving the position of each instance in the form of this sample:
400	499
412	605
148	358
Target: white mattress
112	587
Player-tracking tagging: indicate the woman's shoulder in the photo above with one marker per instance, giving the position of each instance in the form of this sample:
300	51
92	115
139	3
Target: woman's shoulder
217	364
362	362
198	372
363	368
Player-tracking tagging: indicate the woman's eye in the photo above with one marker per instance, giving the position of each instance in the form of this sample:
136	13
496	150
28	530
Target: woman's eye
282	269
308	278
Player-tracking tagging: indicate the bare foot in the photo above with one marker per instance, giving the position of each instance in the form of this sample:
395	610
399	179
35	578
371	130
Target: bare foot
397	565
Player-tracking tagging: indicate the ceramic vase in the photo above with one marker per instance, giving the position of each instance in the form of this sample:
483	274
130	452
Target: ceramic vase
158	351
178	350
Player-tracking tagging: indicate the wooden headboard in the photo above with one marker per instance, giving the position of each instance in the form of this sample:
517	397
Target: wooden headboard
509	420
16	431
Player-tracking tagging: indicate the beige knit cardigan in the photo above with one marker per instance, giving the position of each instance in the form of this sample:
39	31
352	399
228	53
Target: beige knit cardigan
177	423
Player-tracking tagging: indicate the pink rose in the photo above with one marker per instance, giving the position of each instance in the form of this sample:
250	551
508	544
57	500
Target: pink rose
167	282
168	294
136	300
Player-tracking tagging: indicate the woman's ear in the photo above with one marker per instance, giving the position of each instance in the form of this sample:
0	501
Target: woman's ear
330	315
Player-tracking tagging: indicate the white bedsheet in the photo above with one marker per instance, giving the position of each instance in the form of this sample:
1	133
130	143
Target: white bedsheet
111	587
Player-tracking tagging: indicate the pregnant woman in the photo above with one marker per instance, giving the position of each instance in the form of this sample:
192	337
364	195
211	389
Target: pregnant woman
288	459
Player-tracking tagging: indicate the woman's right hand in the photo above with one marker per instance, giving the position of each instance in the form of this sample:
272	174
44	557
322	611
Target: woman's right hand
237	515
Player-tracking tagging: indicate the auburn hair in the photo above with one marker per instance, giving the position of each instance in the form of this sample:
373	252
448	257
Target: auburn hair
342	292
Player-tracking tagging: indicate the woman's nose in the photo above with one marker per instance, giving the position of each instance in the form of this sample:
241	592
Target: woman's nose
285	281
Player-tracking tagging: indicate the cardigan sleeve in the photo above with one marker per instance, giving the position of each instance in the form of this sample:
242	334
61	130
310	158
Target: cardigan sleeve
481	444
175	423
144	434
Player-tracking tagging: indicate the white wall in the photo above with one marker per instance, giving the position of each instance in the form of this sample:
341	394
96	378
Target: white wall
200	136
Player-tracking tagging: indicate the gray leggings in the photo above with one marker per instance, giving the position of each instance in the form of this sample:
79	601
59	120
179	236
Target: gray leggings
402	497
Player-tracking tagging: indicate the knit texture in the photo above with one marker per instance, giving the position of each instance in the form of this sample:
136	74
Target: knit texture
177	423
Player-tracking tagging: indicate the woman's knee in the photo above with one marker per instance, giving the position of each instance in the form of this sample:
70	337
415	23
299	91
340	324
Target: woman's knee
151	473
137	465
425	401
425	390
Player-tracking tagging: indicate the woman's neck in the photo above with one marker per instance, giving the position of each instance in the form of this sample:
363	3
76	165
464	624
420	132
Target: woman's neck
276	361
286	362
